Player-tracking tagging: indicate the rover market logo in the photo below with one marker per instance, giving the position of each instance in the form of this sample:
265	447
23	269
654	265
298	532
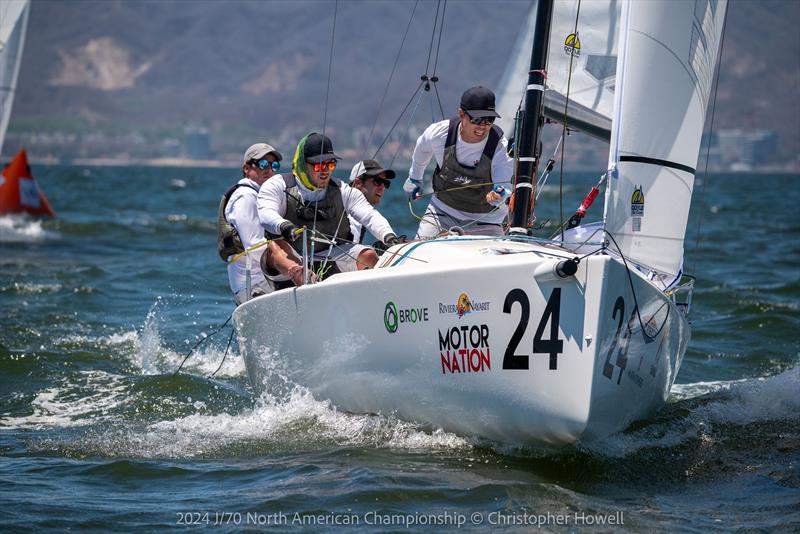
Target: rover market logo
393	316
463	306
572	45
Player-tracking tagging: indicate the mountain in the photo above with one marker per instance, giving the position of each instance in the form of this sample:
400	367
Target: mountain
115	78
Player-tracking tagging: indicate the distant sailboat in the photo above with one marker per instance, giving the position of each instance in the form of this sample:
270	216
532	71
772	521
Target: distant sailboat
19	192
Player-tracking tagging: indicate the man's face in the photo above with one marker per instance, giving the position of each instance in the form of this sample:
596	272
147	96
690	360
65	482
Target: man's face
473	133
258	171
373	187
320	173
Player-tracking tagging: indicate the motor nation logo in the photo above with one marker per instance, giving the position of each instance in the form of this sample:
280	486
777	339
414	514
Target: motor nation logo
394	317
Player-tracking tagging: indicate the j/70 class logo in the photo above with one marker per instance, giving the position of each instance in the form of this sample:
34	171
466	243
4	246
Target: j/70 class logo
393	317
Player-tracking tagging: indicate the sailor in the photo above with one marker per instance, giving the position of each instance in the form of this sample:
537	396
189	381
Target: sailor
473	171
372	180
238	227
311	198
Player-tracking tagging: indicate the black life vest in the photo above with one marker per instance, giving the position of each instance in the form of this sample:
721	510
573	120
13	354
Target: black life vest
449	179
327	216
228	240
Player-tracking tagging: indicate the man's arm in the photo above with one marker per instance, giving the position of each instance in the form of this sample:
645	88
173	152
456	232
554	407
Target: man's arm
272	204
362	211
242	213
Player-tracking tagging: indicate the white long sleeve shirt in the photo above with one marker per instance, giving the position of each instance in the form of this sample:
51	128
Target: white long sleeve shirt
242	213
431	144
272	206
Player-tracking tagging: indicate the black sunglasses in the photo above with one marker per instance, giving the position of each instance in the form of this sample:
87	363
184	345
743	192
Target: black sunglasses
380	181
479	121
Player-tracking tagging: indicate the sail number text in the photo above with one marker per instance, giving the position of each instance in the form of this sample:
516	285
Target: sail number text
552	346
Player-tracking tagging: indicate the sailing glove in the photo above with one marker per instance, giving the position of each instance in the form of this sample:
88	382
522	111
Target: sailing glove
412	188
392	239
289	231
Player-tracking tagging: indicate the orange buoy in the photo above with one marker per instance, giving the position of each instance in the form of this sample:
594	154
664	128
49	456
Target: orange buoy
19	192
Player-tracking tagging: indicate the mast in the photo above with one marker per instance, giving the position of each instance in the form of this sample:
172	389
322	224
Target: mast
532	119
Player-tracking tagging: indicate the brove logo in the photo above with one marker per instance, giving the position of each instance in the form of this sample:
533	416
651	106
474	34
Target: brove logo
390	320
393	317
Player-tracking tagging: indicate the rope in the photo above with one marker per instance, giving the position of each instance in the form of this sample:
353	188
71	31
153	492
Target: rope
389	82
200	343
708	145
224	355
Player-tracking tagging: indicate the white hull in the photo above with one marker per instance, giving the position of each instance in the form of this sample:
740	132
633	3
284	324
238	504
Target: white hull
418	359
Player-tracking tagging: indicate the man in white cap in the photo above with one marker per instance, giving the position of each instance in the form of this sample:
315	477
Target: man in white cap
238	227
473	171
372	180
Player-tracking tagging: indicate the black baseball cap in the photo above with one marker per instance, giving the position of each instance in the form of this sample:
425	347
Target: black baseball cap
372	169
318	148
478	102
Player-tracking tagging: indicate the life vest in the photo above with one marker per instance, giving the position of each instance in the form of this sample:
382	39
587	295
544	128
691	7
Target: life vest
327	216
449	179
228	240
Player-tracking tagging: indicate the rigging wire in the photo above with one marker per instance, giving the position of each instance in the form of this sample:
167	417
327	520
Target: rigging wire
389	82
708	144
330	69
564	129
434	78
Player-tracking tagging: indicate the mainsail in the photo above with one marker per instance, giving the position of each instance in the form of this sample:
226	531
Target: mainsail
13	23
668	52
592	54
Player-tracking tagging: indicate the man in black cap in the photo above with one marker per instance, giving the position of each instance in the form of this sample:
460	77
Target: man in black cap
473	172
312	198
372	180
238	226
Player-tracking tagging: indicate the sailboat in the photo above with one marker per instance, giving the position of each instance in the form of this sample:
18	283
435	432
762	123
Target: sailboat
19	192
517	339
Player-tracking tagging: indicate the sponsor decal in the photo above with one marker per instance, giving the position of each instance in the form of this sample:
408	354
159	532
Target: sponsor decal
463	306
393	316
572	45
637	209
465	349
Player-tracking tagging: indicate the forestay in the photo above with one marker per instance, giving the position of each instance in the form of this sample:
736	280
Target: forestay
668	52
13	23
592	51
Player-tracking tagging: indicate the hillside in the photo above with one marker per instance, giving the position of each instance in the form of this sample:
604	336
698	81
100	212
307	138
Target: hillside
103	77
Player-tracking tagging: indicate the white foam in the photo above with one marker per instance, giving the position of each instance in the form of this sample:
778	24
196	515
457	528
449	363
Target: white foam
735	402
299	423
19	228
29	288
90	398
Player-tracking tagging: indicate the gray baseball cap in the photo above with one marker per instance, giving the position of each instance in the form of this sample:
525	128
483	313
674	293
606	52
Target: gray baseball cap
259	150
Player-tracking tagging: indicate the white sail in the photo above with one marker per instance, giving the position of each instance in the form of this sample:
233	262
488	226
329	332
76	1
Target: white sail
13	23
593	53
668	52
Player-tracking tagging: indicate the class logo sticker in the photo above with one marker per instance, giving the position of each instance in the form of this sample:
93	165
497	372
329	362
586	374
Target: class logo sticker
637	209
463	306
393	316
572	45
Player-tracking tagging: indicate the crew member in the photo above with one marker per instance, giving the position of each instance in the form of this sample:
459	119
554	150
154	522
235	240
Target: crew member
311	198
372	180
473	171
238	227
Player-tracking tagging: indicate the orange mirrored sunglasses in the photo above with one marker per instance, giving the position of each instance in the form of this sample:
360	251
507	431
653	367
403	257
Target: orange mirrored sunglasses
330	165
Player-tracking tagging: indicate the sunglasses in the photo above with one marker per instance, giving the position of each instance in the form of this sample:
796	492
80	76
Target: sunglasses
381	181
330	165
264	163
479	121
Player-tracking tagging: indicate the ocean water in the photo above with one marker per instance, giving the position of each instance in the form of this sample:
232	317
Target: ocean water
99	307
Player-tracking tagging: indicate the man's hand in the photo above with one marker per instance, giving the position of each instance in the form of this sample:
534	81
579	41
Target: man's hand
413	188
496	196
391	239
289	231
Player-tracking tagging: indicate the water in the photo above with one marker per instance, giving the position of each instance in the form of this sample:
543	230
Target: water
99	307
